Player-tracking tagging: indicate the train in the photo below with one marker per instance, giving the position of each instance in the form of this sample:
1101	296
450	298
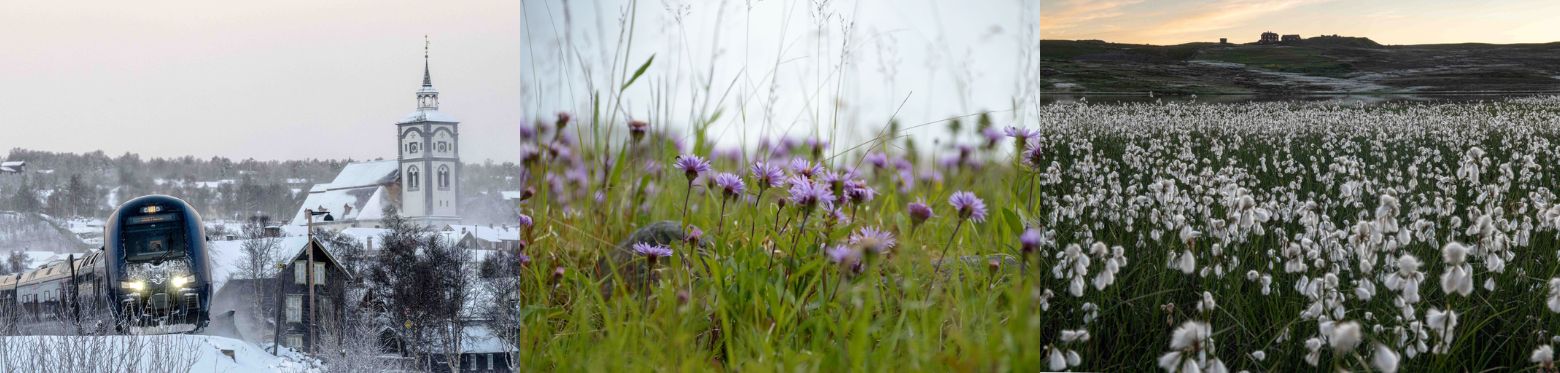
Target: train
152	276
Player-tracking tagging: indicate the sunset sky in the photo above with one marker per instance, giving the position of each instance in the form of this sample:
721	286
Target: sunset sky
1385	21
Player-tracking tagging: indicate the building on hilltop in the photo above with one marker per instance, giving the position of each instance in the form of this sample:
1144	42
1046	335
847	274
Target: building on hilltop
1290	37
1268	38
423	182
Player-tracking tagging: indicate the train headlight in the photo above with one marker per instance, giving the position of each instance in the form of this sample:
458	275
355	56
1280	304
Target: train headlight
179	281
135	286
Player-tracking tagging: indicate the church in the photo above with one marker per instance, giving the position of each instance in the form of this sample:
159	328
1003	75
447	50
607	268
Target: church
423	182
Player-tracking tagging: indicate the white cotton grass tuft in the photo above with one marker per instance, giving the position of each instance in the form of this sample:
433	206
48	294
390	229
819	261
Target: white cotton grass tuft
1189	334
1444	324
1187	344
1186	262
1056	361
1455	253
1544	355
1406	280
1384	359
1554	295
1458	278
1345	337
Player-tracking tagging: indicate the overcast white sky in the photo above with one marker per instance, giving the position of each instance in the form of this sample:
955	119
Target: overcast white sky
935	58
287	79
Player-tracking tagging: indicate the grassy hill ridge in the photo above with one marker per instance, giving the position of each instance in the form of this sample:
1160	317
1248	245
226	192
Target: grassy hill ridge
1315	65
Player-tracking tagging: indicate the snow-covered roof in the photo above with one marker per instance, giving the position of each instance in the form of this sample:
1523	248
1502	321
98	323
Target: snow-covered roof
359	185
362	235
361	174
481	340
367	204
427	115
489	233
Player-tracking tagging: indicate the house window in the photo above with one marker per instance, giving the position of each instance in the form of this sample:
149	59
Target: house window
319	273
490	361
295	340
444	177
412	181
443	146
300	272
294	308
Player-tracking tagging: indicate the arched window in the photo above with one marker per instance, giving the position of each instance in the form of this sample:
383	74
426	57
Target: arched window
444	177
412	180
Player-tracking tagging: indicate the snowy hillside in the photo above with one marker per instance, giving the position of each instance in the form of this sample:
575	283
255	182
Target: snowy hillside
34	232
170	353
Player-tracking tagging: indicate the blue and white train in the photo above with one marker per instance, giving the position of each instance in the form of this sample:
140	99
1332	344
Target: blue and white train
152	276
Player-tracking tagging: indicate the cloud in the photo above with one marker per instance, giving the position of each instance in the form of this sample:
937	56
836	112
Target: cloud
1073	14
1226	14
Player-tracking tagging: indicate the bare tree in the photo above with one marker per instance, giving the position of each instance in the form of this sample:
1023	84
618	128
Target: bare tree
452	268
500	284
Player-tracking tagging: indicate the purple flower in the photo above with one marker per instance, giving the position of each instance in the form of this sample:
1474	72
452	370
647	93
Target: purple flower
766	175
1030	240
694	234
637	129
878	160
652	250
527	133
857	192
1022	134
844	255
524	259
833	216
835	181
968	205
801	167
992	136
692	165
731	185
919	212
808	195
525	221
1034	155
563	119
872	240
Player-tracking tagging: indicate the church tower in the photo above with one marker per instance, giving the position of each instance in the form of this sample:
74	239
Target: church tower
430	158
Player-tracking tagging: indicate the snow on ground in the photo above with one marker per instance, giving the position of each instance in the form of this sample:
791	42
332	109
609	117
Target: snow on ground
90	231
163	353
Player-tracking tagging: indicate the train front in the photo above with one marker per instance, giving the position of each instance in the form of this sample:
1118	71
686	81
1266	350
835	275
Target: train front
157	267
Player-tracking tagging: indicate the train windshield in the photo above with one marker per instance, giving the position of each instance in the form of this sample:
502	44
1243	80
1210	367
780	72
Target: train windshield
153	237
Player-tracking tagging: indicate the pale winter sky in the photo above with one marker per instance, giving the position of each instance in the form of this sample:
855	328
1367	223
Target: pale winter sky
288	79
1385	21
775	66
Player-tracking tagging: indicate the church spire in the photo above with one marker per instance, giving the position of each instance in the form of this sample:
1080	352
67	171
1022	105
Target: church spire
427	97
427	78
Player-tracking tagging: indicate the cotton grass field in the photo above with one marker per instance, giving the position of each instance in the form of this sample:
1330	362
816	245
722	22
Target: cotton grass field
1125	237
